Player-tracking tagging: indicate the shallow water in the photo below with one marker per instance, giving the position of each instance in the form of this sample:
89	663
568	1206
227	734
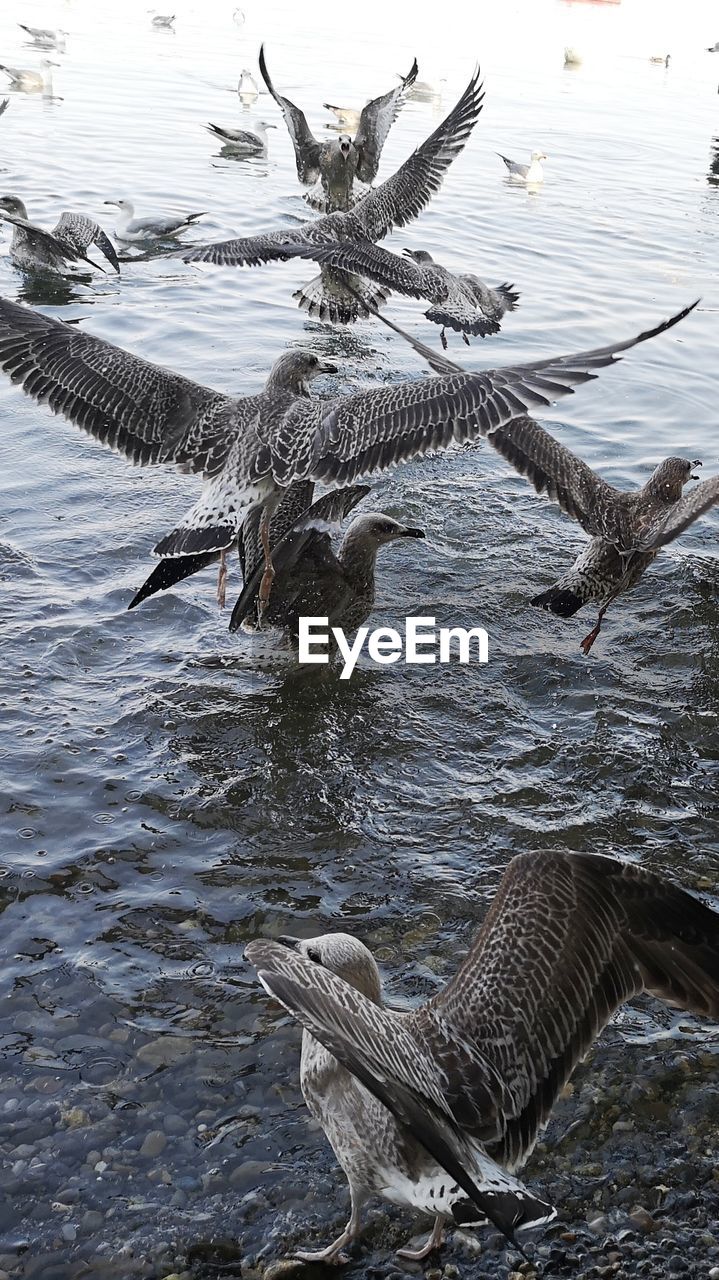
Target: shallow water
167	795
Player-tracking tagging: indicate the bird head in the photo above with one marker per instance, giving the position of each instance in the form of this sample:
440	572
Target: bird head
124	205
13	204
345	145
342	955
539	155
295	370
418	255
379	529
669	478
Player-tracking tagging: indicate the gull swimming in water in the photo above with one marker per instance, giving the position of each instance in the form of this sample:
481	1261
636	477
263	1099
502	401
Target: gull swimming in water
661	60
247	88
163	20
31	81
714	48
251	142
311	579
345	117
133	229
394	202
251	449
460	302
43	38
35	249
436	1108
529	173
339	172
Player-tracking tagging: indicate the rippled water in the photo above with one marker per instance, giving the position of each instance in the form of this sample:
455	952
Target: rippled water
168	797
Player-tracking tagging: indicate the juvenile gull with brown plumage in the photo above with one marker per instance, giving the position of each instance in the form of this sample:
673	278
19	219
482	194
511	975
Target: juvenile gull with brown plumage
437	1108
34	249
251	449
340	171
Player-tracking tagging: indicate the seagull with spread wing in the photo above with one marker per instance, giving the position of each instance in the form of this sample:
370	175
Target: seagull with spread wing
460	302
393	203
340	171
34	249
627	530
251	449
437	1108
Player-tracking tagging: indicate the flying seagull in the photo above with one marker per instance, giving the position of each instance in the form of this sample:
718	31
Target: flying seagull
340	171
311	579
529	173
133	229
31	81
438	1107
250	449
627	529
460	302
393	203
35	249
250	142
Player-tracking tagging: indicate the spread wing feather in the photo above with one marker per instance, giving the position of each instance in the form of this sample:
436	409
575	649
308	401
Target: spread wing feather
375	122
690	508
307	148
78	232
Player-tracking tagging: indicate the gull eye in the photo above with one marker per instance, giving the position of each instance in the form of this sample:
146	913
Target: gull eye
314	955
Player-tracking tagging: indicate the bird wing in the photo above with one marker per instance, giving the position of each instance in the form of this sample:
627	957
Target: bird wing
567	940
294	503
146	413
685	512
403	196
47	239
307	148
4	105
375	122
367	259
78	233
385	1050
309	578
373	430
252	251
521	170
242	137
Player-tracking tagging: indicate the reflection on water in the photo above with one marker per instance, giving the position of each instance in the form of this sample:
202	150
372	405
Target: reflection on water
168	794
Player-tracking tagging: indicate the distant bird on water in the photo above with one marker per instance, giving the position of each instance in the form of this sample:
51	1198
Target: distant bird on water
247	88
435	1108
26	81
460	302
661	60
163	21
43	38
163	227
529	173
713	48
35	249
249	141
251	449
339	172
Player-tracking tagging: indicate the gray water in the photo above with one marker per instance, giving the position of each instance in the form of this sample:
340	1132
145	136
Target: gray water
167	796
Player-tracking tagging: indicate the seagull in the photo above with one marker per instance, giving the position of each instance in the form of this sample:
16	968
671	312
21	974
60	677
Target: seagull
130	228
572	57
247	88
393	203
163	20
661	60
311	580
245	141
31	81
251	449
713	48
436	1108
339	172
35	249
43	38
460	302
345	117
529	173
627	529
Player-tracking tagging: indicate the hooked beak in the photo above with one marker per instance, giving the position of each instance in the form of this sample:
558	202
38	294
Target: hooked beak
407	532
117	206
326	367
288	941
408	253
696	463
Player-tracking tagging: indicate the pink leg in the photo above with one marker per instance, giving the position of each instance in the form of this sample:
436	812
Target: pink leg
434	1241
222	580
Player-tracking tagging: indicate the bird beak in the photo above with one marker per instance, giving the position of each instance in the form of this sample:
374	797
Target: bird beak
111	202
326	367
408	253
288	941
696	463
407	532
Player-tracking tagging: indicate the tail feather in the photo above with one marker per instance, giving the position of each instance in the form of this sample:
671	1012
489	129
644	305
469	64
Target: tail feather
327	298
188	541
170	571
559	600
509	295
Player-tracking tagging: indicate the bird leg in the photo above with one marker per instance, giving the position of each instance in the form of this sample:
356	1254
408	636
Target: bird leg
466	339
443	339
269	574
588	641
333	1253
222	580
433	1241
